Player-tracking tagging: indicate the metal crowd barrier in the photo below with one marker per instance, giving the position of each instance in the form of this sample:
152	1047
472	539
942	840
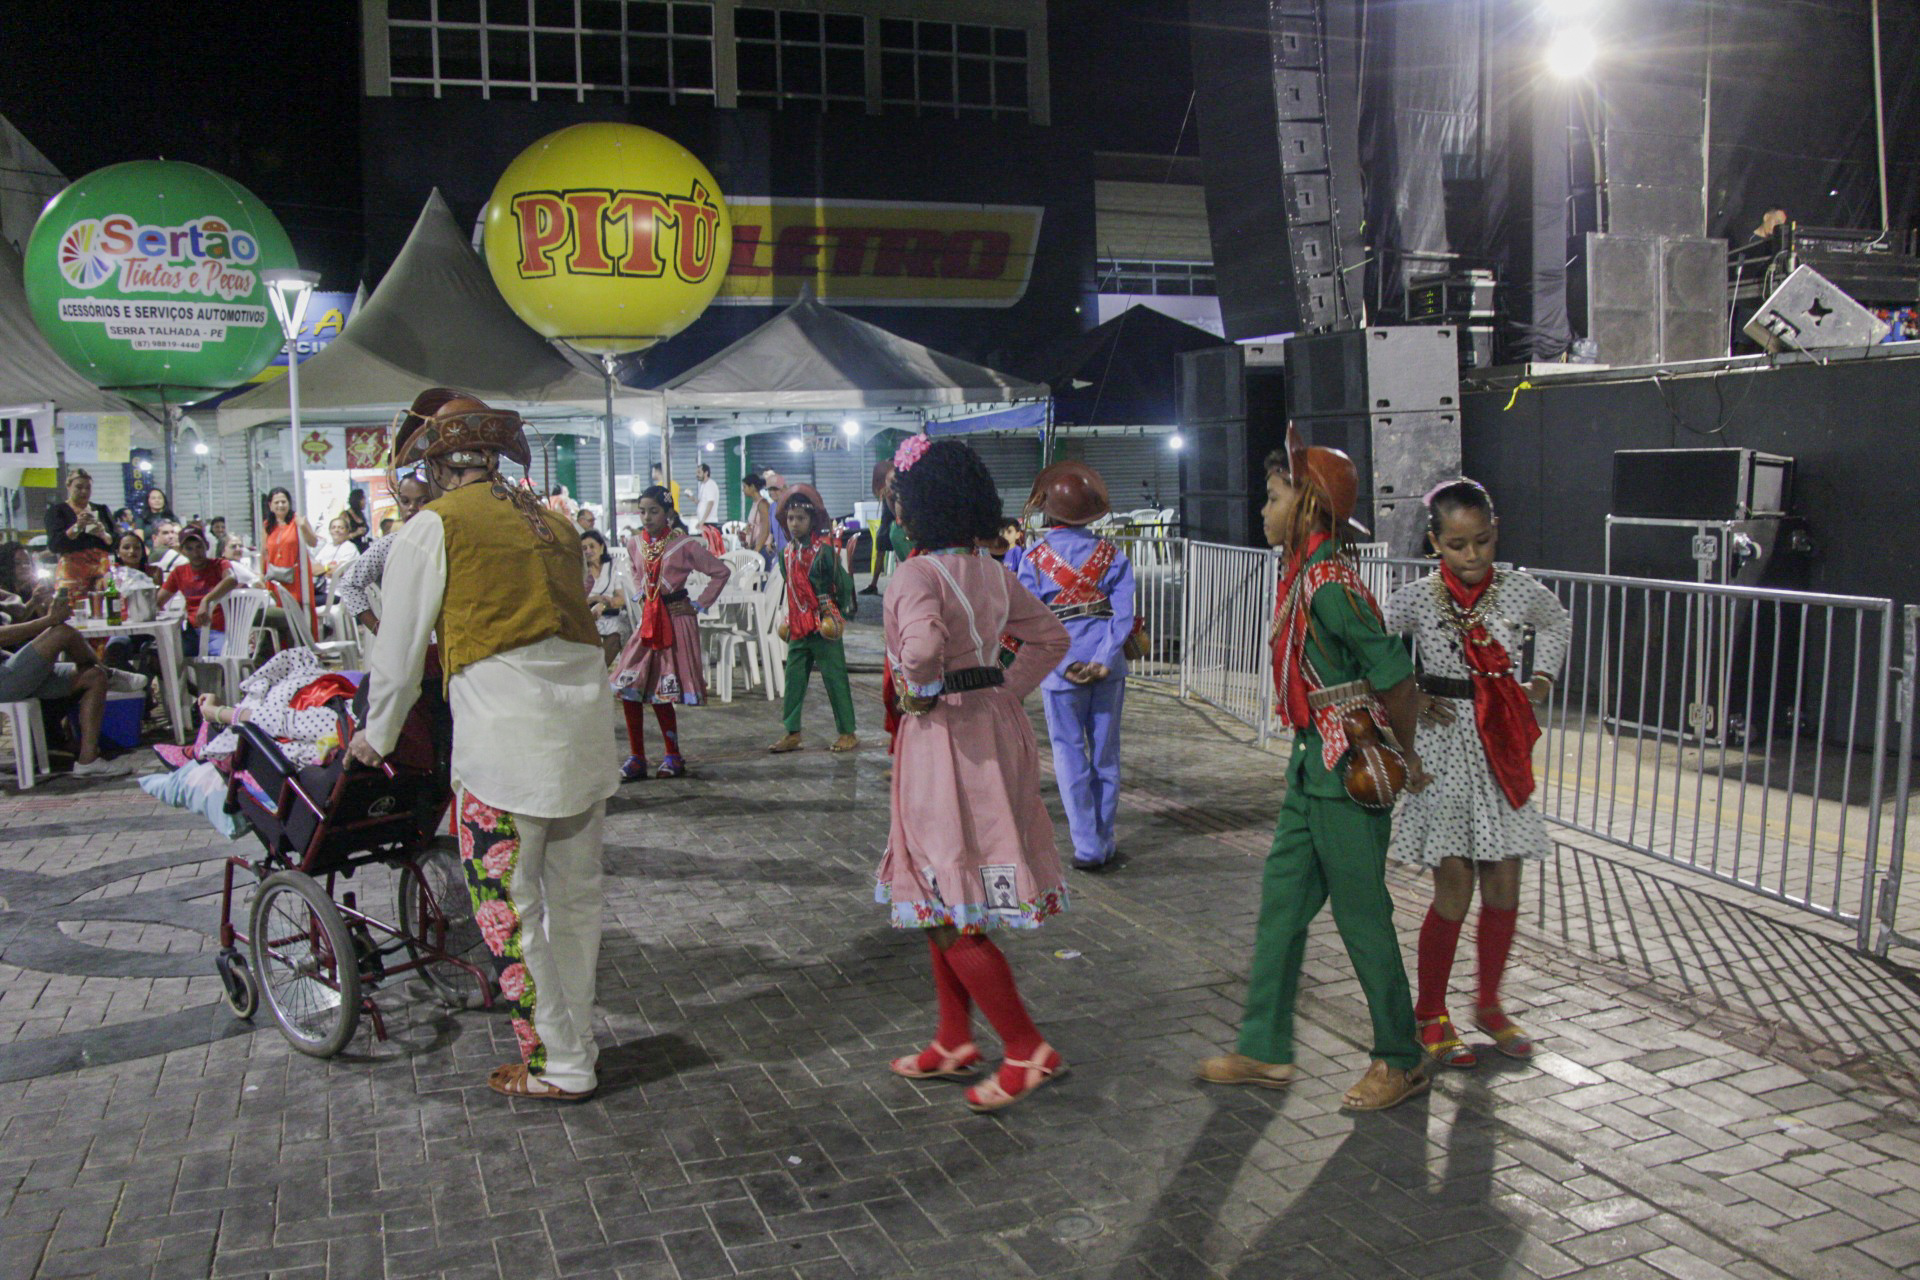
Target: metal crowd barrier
1740	733
1899	921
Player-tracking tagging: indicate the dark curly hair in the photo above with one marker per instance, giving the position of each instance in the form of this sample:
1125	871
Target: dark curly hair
947	498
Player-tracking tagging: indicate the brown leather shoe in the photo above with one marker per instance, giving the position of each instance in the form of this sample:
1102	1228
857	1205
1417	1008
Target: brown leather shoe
845	742
1238	1068
789	743
1384	1086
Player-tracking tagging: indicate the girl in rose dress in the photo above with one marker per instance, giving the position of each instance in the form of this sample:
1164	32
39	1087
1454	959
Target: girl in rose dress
660	665
971	846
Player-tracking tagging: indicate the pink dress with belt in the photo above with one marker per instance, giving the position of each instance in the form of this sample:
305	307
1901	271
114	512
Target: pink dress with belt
675	673
971	843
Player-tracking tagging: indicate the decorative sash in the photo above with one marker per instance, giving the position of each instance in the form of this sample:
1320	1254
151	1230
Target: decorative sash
803	602
1294	679
1079	586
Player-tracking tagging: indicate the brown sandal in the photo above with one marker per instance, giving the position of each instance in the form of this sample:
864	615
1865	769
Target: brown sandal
952	1064
513	1080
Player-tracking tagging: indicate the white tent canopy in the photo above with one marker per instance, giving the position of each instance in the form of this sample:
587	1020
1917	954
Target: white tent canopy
435	320
813	359
30	372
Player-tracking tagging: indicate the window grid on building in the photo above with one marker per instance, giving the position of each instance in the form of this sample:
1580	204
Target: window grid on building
1134	275
953	68
800	57
657	51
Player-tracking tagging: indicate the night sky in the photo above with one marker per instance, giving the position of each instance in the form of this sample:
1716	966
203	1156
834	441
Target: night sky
274	102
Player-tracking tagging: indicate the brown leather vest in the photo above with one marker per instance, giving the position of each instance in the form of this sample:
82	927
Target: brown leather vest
506	587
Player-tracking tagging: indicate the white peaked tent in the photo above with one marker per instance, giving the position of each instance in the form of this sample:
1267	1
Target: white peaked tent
435	320
811	358
30	372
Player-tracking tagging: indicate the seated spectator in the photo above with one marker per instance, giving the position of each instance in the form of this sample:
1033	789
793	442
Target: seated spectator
166	546
606	594
33	670
217	532
287	698
132	573
24	594
203	581
235	553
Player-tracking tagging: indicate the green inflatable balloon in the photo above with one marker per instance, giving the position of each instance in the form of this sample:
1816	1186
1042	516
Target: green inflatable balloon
145	277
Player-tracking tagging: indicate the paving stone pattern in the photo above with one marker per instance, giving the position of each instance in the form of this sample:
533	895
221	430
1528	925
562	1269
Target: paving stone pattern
1719	1093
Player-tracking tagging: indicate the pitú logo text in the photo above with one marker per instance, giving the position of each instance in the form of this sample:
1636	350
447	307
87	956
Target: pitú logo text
205	256
638	234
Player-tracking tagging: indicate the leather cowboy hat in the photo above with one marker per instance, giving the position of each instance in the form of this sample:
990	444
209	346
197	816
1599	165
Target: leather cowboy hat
812	497
458	426
1329	474
1069	492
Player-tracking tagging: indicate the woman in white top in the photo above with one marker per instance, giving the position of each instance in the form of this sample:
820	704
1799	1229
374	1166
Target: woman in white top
606	594
338	554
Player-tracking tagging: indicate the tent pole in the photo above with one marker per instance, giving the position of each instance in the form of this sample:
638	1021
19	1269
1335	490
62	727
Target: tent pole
168	420
607	489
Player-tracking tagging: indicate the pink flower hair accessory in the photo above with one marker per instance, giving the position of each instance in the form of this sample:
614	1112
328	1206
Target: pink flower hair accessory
911	450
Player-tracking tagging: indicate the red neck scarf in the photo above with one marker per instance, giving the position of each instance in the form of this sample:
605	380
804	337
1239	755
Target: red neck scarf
1290	637
803	602
656	629
1501	710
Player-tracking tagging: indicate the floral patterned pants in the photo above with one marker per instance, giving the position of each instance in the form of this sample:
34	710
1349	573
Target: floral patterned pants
537	899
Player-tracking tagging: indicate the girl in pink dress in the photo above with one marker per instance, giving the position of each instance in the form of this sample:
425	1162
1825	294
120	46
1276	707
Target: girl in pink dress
971	846
661	662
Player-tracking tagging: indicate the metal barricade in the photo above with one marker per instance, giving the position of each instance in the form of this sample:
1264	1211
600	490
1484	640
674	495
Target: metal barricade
1159	571
1228	611
1737	732
1900	922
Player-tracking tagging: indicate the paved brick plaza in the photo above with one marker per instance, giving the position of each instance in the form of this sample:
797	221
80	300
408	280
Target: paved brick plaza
1720	1094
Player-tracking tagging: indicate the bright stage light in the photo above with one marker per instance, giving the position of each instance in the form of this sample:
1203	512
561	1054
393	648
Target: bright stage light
1571	52
145	465
200	448
795	444
708	446
1176	442
851	427
1571	10
639	426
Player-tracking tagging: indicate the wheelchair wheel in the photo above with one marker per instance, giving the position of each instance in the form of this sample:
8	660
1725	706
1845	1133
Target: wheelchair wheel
304	963
243	993
442	917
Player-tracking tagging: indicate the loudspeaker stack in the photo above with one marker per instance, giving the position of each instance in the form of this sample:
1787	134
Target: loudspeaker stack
1390	398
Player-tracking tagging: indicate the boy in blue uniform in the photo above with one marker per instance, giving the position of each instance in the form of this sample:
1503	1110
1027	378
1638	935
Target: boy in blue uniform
1088	584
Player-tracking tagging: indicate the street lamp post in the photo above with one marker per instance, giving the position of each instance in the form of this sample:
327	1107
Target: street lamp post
292	290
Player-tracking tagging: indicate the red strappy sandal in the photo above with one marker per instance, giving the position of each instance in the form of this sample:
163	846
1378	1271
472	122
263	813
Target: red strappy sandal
1508	1038
1046	1067
937	1062
1446	1048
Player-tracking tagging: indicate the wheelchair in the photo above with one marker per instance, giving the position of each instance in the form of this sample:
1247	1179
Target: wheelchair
311	953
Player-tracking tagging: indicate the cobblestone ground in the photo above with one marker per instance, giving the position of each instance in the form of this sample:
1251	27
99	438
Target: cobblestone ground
1719	1093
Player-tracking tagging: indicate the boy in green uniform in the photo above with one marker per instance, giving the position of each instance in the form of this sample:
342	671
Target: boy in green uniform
1330	651
819	596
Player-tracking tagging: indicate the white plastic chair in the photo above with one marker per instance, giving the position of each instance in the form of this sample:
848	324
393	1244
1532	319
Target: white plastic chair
241	612
30	756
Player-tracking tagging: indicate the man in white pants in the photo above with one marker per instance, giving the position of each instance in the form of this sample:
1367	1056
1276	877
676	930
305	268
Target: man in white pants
495	576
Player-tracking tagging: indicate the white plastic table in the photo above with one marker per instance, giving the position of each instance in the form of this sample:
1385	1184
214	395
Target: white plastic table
166	639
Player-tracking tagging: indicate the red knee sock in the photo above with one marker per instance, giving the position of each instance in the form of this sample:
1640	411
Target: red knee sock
956	1009
669	726
984	972
1439	937
1496	939
636	714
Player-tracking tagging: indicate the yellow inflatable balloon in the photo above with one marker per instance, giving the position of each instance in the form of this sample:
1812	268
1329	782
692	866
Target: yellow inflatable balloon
609	236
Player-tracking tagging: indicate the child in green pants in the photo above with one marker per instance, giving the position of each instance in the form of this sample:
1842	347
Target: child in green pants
819	596
1332	655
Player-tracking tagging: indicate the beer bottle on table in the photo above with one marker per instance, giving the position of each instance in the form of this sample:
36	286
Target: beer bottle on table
112	601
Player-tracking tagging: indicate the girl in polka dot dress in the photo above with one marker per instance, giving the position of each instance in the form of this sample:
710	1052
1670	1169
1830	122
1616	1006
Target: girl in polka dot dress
1475	823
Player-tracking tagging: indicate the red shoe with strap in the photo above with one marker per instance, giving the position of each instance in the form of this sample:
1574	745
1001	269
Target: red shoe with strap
1444	1046
1045	1067
937	1062
1508	1038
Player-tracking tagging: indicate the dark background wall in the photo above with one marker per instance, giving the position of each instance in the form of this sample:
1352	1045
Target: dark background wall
1850	426
411	146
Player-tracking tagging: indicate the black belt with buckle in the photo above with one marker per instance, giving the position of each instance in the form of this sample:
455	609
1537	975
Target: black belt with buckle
1446	687
971	678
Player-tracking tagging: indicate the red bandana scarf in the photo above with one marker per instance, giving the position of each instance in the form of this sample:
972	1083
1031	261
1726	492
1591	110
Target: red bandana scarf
803	603
1290	610
1501	710
656	628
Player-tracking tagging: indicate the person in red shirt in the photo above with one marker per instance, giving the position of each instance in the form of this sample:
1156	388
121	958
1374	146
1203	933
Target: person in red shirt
204	581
